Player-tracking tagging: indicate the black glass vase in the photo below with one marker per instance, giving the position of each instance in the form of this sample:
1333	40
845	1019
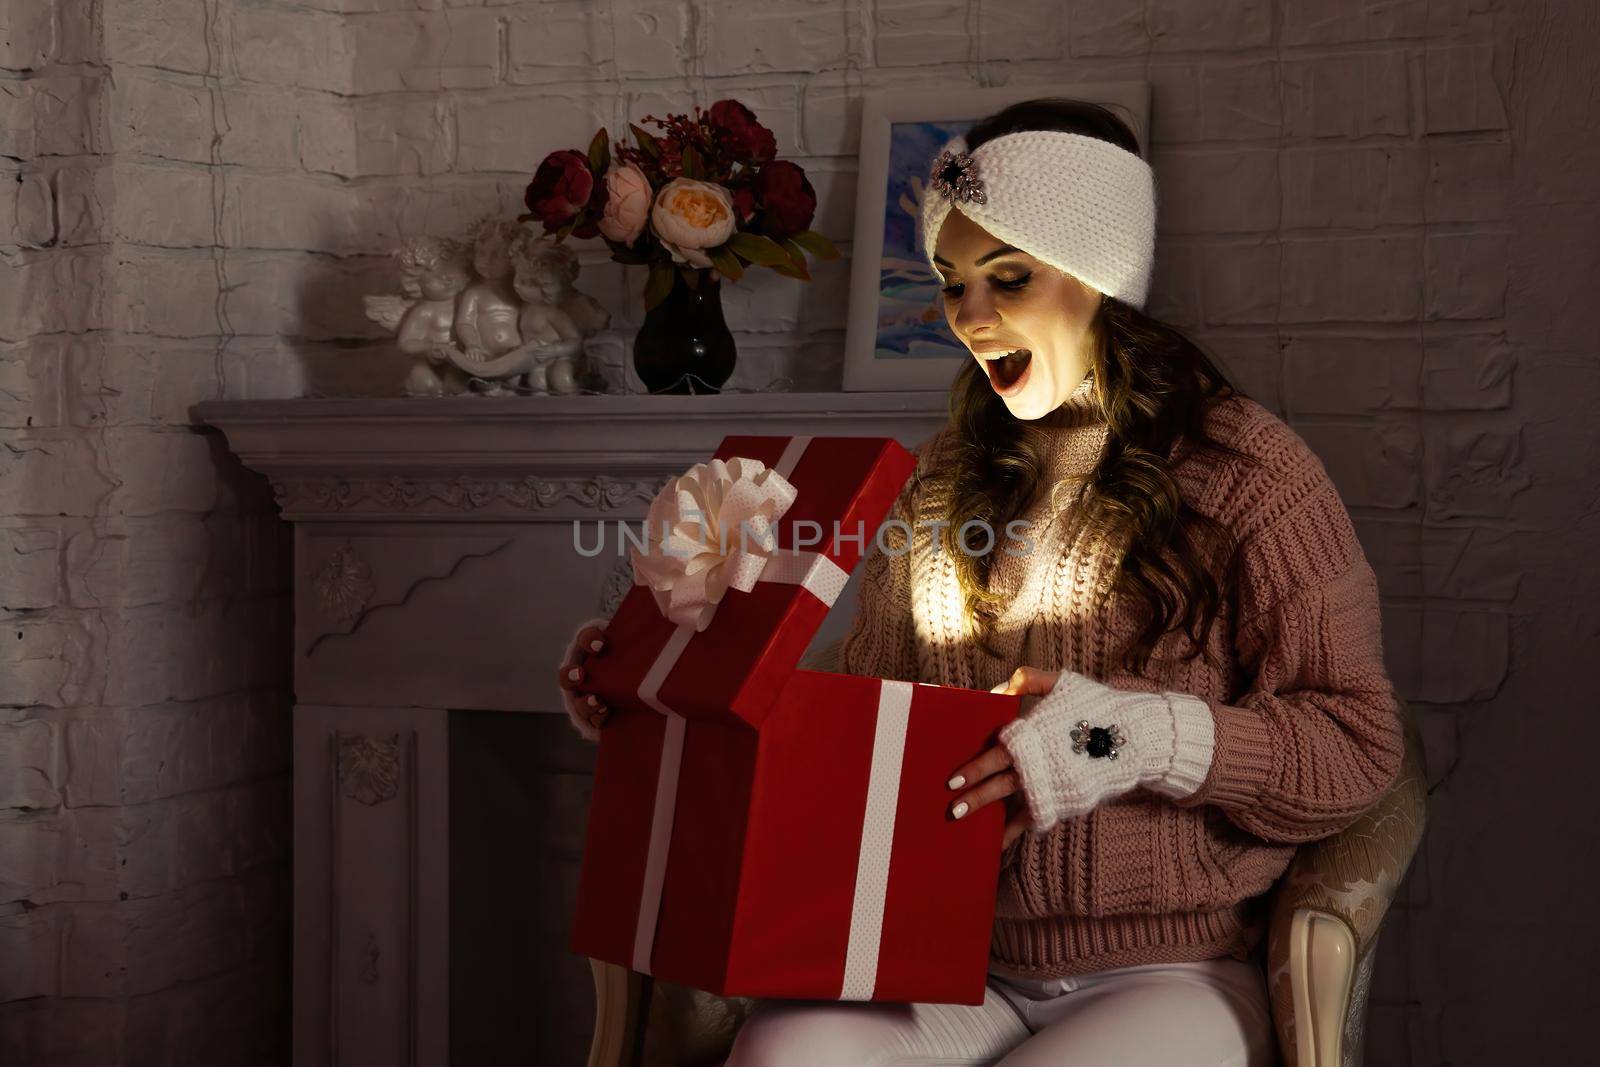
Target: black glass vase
684	345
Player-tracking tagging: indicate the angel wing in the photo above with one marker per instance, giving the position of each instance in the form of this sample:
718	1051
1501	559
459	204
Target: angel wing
387	310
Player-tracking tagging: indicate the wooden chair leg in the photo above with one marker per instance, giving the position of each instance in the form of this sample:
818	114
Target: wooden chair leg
620	1008
1322	965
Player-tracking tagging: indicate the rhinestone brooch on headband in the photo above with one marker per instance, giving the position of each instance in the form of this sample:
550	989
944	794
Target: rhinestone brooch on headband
1100	741
955	174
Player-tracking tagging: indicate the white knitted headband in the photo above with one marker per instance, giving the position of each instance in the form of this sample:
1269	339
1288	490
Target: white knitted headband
1082	205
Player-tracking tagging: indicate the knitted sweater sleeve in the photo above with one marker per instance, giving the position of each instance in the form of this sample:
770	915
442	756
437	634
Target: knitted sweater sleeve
881	641
1316	740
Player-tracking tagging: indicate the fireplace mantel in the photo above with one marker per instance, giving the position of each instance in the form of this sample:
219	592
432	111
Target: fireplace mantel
437	826
531	458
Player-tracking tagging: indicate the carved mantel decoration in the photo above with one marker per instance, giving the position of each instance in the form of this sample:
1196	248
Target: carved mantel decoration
369	767
344	584
438	576
528	493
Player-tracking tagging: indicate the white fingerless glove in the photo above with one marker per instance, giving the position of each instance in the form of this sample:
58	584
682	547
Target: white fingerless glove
573	701
1168	746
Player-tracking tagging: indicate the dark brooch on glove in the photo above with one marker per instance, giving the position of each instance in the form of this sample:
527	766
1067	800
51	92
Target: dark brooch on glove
1099	740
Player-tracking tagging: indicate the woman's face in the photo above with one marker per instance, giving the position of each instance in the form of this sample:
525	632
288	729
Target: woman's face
999	299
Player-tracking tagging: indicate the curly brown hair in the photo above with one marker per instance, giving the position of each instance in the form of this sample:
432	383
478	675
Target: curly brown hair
1154	386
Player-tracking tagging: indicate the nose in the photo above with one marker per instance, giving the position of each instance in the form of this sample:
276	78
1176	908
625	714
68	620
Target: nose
974	312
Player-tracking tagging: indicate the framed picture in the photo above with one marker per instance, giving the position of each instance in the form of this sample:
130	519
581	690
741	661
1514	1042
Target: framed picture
897	337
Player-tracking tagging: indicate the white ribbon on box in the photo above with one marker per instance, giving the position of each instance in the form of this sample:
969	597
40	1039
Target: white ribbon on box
877	841
689	579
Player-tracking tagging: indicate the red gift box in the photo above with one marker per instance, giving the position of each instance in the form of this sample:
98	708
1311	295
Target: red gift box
736	667
760	830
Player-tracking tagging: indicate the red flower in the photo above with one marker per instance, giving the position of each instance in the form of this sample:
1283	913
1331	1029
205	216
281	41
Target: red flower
744	203
561	188
669	158
788	197
598	198
750	141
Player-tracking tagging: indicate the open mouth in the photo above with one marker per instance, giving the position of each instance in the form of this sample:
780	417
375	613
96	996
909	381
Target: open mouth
1006	369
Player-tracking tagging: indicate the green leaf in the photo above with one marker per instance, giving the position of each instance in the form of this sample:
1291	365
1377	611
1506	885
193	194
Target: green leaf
788	270
692	167
726	262
816	244
599	152
647	143
659	283
566	230
797	257
758	249
526	216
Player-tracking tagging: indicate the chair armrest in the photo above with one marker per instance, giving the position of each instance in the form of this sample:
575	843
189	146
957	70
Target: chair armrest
1322	966
641	1021
1327	909
1355	873
618	998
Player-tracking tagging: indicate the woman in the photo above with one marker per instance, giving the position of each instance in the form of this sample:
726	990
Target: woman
1192	624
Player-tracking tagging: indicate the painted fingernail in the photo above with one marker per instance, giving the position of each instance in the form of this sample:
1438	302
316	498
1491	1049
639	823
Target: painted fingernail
575	674
957	782
594	646
959	810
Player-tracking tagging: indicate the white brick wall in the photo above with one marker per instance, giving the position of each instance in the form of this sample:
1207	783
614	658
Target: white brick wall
1365	215
143	667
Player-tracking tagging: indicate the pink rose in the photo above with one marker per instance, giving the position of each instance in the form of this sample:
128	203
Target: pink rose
627	203
690	216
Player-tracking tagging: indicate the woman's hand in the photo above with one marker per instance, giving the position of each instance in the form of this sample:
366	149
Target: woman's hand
586	711
992	776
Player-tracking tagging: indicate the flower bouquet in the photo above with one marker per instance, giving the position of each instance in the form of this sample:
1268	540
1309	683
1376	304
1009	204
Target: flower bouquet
700	202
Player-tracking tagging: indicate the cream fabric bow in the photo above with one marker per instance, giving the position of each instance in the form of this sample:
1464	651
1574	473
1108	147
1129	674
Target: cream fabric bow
710	530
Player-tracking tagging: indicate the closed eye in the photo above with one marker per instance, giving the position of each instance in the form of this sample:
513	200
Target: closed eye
953	290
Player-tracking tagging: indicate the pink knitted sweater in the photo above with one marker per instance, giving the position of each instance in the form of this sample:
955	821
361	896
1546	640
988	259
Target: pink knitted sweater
1306	735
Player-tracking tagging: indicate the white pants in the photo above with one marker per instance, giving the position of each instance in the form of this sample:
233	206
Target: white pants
1213	1013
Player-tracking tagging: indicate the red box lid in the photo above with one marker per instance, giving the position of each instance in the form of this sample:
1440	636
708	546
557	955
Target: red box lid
734	670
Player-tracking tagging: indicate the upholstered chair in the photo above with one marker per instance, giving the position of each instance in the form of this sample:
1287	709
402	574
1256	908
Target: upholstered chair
1326	913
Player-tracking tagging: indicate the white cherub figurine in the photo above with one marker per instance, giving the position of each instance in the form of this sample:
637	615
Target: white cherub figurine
554	319
554	313
487	310
433	272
